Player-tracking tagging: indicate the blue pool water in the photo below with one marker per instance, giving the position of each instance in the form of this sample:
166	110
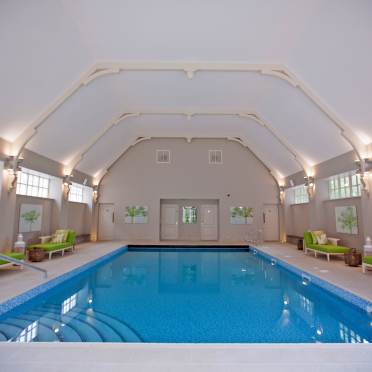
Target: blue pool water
187	295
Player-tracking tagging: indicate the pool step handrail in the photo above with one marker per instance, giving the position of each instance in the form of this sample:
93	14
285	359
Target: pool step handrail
22	263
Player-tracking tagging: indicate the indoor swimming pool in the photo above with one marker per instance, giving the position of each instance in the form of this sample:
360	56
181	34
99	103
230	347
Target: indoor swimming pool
185	295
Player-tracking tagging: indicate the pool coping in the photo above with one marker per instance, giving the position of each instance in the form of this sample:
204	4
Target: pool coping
14	302
337	291
30	294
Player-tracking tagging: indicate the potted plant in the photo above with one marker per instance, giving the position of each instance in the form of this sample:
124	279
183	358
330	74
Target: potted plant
36	254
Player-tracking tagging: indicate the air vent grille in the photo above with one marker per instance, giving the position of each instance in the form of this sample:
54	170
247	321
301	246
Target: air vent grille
163	156
215	156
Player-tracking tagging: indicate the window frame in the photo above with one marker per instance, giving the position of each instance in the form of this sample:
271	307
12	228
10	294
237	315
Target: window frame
33	183
74	195
193	214
344	185
300	195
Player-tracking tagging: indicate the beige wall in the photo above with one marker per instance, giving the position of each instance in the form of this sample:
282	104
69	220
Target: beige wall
319	213
137	179
56	212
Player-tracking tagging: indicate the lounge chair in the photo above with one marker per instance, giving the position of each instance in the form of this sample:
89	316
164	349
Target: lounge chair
50	247
329	249
17	255
367	263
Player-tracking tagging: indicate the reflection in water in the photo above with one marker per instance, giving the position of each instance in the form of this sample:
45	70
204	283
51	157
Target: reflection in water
196	296
29	333
69	304
134	275
350	336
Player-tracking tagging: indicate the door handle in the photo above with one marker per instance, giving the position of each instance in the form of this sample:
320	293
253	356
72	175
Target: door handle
113	217
264	217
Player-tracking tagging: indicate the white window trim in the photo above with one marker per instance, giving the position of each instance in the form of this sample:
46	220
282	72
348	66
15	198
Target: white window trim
348	190
29	186
293	191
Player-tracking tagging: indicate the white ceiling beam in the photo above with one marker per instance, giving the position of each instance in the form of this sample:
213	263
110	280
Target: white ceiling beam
190	68
253	116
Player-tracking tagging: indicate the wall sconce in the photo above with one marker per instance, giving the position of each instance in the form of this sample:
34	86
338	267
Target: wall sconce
310	185
67	185
95	193
367	171
13	165
281	194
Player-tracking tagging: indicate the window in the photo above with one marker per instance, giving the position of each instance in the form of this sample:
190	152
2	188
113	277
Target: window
345	185
189	215
300	195
163	156
215	156
69	304
33	183
76	193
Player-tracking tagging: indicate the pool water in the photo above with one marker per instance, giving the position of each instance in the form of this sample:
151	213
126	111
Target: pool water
187	295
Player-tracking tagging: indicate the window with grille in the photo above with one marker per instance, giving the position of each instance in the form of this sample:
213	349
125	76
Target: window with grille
32	183
189	215
345	185
300	195
76	193
215	156
163	156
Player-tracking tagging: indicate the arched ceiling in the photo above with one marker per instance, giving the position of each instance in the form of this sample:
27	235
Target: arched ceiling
47	47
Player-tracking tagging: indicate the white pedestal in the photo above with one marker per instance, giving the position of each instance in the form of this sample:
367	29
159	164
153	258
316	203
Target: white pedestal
367	250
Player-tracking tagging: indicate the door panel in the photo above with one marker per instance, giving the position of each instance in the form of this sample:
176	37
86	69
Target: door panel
271	223
169	221
106	222
209	222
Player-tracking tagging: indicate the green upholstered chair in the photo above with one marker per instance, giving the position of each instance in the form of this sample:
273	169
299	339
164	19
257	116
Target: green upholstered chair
329	249
17	255
367	263
51	248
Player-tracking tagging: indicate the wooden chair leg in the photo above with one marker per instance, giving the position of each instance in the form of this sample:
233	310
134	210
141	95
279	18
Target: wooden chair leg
364	268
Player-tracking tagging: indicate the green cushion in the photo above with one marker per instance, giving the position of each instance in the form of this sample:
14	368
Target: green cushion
329	248
16	255
50	246
308	238
71	237
367	260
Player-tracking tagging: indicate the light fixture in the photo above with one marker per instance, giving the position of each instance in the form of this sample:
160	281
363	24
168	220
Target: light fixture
310	185
281	194
95	193
67	185
13	165
364	172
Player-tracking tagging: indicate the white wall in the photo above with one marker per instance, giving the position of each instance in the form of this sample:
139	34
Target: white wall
136	179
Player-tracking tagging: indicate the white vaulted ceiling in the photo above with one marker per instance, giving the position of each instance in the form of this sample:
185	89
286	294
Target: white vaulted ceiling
47	46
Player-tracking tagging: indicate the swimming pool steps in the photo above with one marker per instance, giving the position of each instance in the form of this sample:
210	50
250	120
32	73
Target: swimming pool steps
78	325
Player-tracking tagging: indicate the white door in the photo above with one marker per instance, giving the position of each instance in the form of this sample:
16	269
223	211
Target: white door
271	223
209	222
169	221
106	217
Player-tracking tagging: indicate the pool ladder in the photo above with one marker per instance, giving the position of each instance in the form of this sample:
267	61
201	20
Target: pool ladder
22	263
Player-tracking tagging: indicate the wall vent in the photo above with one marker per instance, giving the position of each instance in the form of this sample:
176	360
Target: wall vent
215	156
163	156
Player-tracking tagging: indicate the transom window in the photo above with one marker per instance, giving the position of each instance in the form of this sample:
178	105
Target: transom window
33	183
76	193
300	195
189	215
345	185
